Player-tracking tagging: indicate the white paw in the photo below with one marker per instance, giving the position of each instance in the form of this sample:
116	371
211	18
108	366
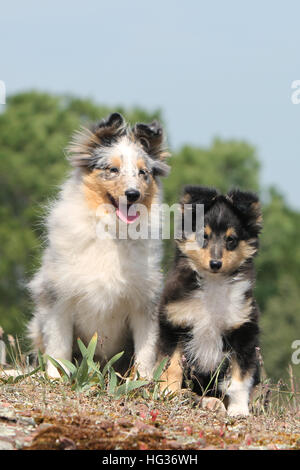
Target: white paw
238	410
145	372
52	371
212	404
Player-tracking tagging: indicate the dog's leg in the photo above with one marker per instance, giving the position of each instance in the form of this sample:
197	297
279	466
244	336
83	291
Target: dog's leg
238	391
57	332
244	368
145	331
172	377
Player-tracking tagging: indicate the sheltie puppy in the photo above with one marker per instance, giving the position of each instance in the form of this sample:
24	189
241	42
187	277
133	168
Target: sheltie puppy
92	280
208	315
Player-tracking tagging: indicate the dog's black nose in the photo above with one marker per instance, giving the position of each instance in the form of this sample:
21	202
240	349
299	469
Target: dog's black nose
215	265
132	195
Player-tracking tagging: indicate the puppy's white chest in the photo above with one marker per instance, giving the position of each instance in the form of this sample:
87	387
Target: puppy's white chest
218	307
221	303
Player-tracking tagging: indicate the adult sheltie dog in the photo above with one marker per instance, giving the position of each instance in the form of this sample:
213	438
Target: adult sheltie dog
108	284
208	314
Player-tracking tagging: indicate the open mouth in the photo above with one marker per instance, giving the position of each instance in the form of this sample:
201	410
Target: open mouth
122	210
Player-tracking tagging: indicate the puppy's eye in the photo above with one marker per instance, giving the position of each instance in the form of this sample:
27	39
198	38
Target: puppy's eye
114	170
231	243
205	240
142	172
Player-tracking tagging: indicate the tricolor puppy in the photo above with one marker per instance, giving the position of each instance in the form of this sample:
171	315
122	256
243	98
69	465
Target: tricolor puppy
91	283
208	315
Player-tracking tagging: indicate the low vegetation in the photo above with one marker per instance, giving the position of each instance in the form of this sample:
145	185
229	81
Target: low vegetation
90	408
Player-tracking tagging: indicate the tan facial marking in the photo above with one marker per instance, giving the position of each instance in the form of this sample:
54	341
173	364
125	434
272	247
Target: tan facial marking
96	189
207	230
230	232
141	164
93	191
233	259
116	161
199	256
150	192
186	199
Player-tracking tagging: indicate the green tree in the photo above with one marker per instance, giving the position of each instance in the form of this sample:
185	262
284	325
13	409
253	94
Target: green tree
34	130
278	280
224	164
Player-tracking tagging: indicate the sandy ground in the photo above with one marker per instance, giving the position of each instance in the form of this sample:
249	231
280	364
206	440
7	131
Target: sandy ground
36	415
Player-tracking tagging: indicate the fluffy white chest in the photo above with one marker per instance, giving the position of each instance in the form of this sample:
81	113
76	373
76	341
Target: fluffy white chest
114	282
218	307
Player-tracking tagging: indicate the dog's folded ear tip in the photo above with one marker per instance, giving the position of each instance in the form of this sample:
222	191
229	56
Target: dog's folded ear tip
153	128
151	137
114	119
237	196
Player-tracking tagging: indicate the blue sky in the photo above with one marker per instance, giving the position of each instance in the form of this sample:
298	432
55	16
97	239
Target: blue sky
214	68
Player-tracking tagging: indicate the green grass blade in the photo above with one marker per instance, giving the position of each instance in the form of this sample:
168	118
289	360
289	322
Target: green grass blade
82	373
97	371
128	387
92	347
69	365
111	362
82	347
113	381
24	376
59	367
159	370
41	361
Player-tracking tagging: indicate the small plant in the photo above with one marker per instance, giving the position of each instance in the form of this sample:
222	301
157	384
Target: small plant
87	375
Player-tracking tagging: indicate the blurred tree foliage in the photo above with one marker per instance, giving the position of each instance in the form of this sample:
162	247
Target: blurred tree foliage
35	129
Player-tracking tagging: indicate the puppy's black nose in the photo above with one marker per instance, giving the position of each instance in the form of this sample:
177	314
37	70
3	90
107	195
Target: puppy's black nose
215	265
132	195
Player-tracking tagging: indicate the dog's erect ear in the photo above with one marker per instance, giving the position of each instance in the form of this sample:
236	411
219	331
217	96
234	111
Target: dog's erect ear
193	196
84	141
114	120
248	206
151	137
198	195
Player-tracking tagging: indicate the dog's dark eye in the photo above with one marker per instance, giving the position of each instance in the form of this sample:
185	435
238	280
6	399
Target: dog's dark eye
142	172
231	243
114	169
205	240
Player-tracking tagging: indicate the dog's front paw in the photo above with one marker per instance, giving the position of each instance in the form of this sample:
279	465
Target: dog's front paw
52	371
145	373
236	410
212	404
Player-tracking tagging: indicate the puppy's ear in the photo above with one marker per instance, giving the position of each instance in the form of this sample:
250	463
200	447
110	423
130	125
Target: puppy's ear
198	195
84	141
109	128
248	206
151	138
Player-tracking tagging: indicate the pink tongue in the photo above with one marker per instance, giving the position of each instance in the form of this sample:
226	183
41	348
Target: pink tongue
123	215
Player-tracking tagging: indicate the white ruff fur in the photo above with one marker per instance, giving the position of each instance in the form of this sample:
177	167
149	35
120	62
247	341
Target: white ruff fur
87	285
217	307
